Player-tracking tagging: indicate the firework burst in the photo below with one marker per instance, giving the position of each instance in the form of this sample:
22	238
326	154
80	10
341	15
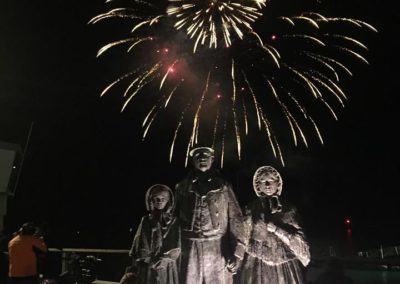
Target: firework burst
207	20
220	76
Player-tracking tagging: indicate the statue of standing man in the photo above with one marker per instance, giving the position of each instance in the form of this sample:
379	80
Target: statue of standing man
211	223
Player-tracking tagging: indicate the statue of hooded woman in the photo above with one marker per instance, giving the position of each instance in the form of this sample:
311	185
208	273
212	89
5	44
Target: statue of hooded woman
156	245
276	248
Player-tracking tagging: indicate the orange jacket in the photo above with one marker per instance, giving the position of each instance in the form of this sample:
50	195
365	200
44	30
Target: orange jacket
22	258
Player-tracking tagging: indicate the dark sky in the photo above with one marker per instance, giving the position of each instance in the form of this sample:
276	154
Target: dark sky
86	168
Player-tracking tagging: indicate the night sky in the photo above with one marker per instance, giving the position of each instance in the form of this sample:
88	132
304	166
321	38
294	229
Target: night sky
86	169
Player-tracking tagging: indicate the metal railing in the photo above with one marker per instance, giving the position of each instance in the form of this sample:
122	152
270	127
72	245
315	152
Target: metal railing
110	263
381	265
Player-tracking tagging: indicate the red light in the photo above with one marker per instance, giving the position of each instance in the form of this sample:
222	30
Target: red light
218	96
166	50
171	70
349	233
347	221
273	37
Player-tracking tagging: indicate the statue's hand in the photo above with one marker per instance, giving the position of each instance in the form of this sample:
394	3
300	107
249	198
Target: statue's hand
260	226
233	265
271	227
161	263
143	261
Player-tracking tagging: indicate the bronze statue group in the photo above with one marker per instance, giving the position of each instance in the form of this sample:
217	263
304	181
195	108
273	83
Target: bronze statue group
198	234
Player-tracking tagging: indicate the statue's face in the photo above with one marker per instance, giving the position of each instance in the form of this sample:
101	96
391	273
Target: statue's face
159	200
203	160
266	184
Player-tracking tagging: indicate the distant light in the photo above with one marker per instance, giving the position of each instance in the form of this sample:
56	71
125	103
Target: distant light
273	37
347	221
166	50
130	229
219	96
170	69
14	167
78	232
242	89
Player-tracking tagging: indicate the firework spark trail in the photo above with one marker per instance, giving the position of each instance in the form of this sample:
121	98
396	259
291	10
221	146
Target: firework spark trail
260	3
329	108
196	120
206	33
326	86
260	115
268	49
286	111
140	40
234	109
354	22
306	37
115	13
331	60
162	103
269	133
323	62
169	70
142	83
171	152
350	39
254	100
246	124
148	125
172	92
273	141
355	54
223	143
140	78
188	151
307	116
215	130
112	44
117	81
151	111
310	85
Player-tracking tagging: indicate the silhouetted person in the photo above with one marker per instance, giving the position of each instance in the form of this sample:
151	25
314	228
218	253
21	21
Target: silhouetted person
22	250
4	239
334	273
